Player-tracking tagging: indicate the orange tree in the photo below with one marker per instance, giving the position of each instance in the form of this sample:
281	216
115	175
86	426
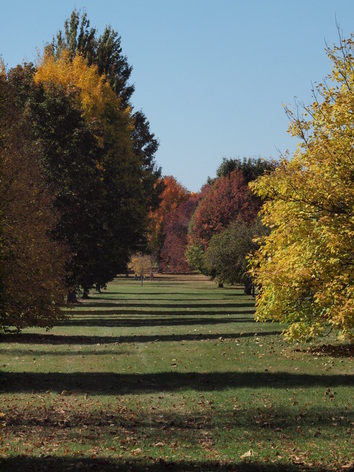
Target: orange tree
173	194
175	231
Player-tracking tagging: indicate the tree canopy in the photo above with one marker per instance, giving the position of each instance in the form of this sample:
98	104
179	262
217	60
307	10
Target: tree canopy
227	200
32	263
88	170
306	265
225	259
173	252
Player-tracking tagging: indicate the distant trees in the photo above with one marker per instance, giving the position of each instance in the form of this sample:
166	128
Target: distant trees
251	168
306	264
173	252
224	223
228	200
173	194
141	265
225	259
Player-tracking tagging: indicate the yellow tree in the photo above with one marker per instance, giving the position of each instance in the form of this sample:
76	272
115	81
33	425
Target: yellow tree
305	267
94	92
113	204
141	265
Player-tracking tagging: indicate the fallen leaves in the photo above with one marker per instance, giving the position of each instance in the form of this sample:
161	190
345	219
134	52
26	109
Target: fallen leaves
247	454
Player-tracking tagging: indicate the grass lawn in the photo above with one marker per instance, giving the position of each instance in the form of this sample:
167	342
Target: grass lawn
172	375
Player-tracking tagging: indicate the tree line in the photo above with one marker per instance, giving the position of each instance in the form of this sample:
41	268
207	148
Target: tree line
82	198
78	174
287	227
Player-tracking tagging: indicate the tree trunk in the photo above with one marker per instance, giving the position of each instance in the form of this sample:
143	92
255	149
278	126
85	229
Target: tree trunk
248	289
71	298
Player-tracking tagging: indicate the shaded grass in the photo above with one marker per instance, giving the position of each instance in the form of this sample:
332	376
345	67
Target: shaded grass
174	375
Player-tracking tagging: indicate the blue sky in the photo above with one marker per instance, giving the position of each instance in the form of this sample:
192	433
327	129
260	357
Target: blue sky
210	75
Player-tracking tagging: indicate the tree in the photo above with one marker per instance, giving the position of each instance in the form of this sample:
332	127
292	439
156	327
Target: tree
172	196
33	265
225	259
306	265
111	199
72	158
141	265
251	167
105	52
229	199
173	253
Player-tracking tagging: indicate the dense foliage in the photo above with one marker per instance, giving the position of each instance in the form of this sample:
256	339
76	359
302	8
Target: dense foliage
173	194
225	259
175	231
225	200
32	264
306	265
88	178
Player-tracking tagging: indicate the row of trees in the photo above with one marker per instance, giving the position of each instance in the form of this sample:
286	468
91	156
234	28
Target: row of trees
286	227
78	174
81	194
186	226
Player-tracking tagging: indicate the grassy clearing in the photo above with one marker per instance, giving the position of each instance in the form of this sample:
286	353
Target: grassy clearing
174	375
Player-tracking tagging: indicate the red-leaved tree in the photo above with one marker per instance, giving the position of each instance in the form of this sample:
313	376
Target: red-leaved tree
173	253
228	200
171	197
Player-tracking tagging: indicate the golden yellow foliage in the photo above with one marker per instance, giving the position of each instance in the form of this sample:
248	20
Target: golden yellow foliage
305	267
140	264
94	92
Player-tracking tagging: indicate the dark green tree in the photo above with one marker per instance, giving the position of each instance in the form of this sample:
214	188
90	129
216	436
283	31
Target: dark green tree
32	263
251	168
225	259
97	188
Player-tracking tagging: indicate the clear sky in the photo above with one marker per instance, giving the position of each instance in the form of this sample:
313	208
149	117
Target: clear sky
210	75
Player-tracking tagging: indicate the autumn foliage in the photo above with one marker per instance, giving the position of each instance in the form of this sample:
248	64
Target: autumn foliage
173	253
33	272
228	199
172	195
77	171
93	91
305	266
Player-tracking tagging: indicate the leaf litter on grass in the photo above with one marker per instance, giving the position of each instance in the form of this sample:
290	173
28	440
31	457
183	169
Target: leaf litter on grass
224	407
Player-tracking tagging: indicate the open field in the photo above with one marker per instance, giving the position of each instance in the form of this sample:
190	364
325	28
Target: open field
173	375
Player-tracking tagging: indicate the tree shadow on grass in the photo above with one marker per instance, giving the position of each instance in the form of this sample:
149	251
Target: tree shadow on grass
55	339
163	320
297	423
106	383
340	350
60	464
186	306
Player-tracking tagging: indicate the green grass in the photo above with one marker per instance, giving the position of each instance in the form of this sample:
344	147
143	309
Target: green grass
174	375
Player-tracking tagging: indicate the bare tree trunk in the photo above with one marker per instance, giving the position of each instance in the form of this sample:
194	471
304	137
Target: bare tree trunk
71	298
